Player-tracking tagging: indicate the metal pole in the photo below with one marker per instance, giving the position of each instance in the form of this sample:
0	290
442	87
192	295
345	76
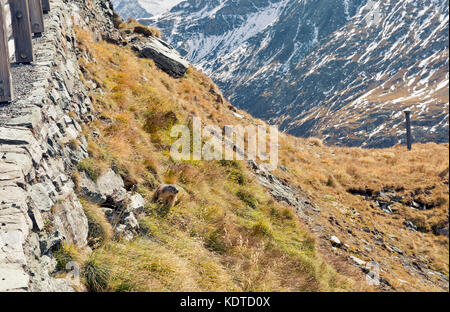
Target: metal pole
408	129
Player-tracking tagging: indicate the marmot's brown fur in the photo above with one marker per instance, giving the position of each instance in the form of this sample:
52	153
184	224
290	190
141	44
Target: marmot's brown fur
166	194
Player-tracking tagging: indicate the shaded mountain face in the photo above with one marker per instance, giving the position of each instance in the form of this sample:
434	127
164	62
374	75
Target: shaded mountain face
127	8
143	8
343	70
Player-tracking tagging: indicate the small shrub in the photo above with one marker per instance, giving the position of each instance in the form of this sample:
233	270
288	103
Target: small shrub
262	227
237	176
147	31
316	142
230	163
100	230
287	213
156	121
126	286
73	144
76	178
309	244
214	241
247	198
96	276
63	255
91	168
151	165
331	182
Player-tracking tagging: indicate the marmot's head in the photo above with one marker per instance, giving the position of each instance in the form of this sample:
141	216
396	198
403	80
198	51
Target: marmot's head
171	189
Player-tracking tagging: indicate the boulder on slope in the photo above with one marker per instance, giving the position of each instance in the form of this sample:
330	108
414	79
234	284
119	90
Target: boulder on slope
164	56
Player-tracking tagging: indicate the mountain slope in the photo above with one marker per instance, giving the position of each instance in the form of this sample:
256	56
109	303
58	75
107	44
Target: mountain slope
143	8
128	9
239	227
342	70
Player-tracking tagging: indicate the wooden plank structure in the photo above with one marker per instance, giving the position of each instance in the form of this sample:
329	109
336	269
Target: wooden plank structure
9	28
6	90
36	17
18	19
45	6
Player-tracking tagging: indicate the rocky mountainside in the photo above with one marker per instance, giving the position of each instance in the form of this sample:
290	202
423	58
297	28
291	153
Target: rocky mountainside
343	70
130	9
143	8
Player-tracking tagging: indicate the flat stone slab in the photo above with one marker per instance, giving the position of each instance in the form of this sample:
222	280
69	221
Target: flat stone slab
16	136
164	56
109	183
40	197
11	173
13	278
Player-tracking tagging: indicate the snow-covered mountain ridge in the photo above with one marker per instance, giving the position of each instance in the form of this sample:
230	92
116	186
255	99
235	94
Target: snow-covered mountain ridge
343	70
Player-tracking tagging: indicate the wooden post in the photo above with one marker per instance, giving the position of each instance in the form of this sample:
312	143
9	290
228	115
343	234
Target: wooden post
45	6
20	20
36	17
408	129
6	91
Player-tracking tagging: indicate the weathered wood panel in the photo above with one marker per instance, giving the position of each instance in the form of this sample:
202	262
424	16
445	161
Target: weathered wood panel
20	20
9	28
36	16
5	69
45	6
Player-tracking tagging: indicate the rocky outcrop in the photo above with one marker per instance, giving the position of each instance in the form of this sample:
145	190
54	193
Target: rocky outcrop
99	16
164	56
283	192
118	205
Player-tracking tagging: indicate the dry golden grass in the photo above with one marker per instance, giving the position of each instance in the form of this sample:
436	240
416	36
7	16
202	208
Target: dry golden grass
227	233
328	173
215	238
133	26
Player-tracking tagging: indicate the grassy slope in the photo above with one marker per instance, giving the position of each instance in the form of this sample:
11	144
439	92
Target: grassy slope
227	233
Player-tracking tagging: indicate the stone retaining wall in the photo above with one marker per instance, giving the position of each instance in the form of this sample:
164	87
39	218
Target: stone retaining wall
38	206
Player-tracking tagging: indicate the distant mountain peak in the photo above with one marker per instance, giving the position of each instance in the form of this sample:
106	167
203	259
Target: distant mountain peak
143	8
343	70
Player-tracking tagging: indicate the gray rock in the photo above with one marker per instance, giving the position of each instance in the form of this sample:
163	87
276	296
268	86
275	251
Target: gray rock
410	225
136	203
40	197
164	56
335	241
358	261
31	118
36	216
131	222
109	183
90	189
11	173
13	278
16	136
41	280
443	231
107	211
71	221
17	156
50	242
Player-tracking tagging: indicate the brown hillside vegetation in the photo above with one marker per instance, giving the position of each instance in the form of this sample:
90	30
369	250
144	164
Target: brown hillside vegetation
227	233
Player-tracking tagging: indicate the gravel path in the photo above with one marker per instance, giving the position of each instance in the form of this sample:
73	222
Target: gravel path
23	76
